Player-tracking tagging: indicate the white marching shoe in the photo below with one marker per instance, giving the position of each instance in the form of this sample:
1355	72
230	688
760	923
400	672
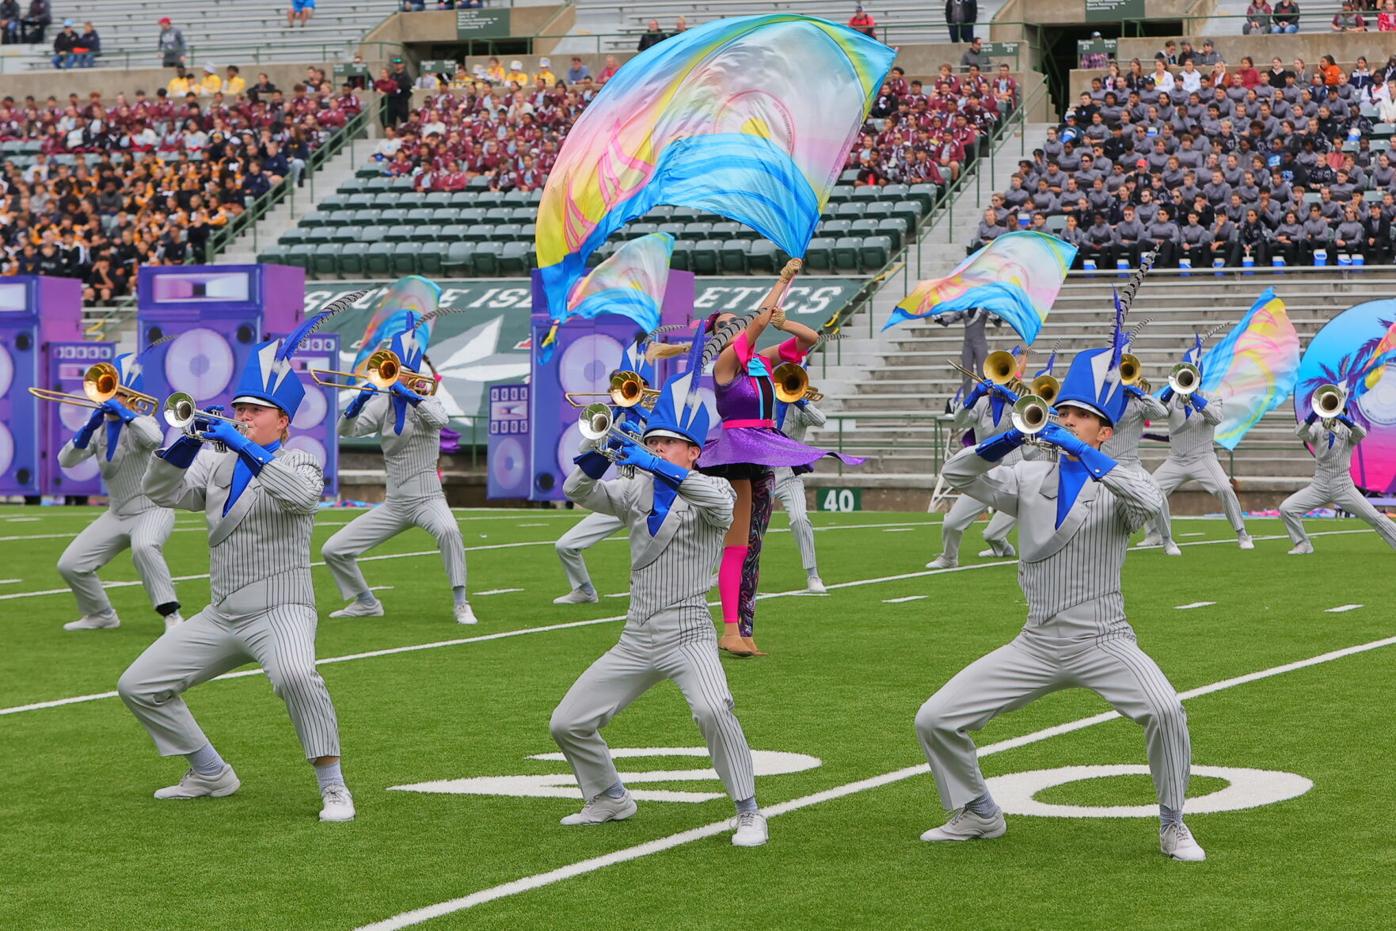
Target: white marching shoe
1302	549
603	808
465	615
357	608
941	562
816	586
173	620
966	825
750	829
1149	541
577	596
1244	541
1171	549
1176	841
1002	550
193	785
105	621
339	804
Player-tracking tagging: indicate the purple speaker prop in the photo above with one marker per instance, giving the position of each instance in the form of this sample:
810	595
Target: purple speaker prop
509	456
315	428
216	314
587	352
65	366
34	312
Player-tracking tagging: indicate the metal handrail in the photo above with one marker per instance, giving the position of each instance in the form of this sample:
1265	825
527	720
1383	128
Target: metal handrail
939	436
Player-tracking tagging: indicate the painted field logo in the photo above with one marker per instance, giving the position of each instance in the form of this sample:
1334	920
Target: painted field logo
1248	788
564	785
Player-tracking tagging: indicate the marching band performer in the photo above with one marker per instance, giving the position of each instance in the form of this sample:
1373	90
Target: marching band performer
121	441
677	517
597	526
1075	516
793	421
1123	445
259	499
987	409
1192	424
409	426
1332	440
747	447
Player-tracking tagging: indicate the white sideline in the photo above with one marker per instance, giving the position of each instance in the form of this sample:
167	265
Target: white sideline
524	631
128	583
591	865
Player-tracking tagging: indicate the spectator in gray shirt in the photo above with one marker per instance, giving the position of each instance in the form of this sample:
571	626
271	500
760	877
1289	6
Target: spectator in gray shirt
1235	209
1343	189
1172	174
990	228
1315	233
1193	239
1129	233
1146	209
1072	234
1248	189
1270	212
1043	199
975	55
1217	191
1098	243
1189	186
1016	195
1331	210
1224	245
1055	177
1350	237
1070	159
1384	173
1231	170
1163	233
1287	240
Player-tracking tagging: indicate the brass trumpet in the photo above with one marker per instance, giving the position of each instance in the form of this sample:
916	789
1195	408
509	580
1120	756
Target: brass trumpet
1328	401
628	389
382	370
1046	387
1130	369
100	384
1000	368
1031	415
1184	378
792	384
183	413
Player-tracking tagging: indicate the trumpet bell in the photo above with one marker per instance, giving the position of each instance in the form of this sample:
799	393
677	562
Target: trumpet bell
180	410
1328	401
1001	367
628	389
383	368
1184	378
791	382
1046	387
1130	369
595	421
1031	414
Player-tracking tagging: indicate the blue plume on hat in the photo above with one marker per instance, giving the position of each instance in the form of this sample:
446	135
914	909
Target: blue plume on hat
680	409
132	373
410	343
269	378
632	359
1194	355
1093	383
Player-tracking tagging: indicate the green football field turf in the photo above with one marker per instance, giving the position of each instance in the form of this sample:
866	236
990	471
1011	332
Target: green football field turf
85	846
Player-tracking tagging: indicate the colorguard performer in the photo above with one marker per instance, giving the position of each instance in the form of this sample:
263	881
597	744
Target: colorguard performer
794	420
677	517
1075	515
121	440
259	500
409	424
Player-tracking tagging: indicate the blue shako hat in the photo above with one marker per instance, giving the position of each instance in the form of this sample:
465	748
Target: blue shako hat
1093	384
268	378
680	411
410	343
128	366
632	359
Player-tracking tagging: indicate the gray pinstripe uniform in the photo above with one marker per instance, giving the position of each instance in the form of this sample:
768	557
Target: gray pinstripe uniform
1076	633
1191	456
1123	445
414	497
263	607
967	508
583	535
131	519
1332	482
790	488
668	630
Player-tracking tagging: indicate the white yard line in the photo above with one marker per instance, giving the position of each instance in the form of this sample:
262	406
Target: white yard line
499	591
1342	609
903	600
1195	604
658	845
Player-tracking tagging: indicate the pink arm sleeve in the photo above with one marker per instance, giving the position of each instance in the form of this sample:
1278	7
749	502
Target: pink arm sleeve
742	347
790	351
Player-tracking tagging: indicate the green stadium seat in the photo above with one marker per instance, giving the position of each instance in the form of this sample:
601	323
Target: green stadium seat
535	197
682	259
819	255
835	228
334	202
846	253
762	257
440	216
353	259
402	185
463	199
729	230
506	232
733	255
516	198
862	228
478	183
514	258
300	255
377	233
485	258
368	216
685	215
292	236
638	229
342	217
314	218
660	214
437	199
865	193
378	184
318	235
840	193
379	260
673	229
369	170
523	214
875	252
400	232
479	232
393	217
272	255
849	176
496	216
895	229
453	232
468	215
405	258
878	210
488	198
892	193
911	211
528	232
706	256
926	194
427	232
342	234
325	262
386	201
457	261
431	258
697	230
419	216
851	210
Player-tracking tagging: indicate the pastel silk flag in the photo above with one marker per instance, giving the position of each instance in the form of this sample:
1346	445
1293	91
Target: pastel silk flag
630	283
412	294
1016	278
750	118
1255	367
1382	354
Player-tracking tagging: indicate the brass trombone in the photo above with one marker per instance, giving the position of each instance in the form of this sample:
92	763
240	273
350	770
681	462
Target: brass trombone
183	413
1000	368
792	384
627	389
382	370
101	383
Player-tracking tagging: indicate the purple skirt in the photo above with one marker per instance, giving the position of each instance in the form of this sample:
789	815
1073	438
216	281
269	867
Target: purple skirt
763	446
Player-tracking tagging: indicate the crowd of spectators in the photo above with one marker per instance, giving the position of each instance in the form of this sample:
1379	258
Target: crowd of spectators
149	179
918	133
1203	162
24	23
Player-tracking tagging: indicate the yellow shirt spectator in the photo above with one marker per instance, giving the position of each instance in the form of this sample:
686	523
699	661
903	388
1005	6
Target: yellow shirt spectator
234	84
210	85
179	86
517	74
546	76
